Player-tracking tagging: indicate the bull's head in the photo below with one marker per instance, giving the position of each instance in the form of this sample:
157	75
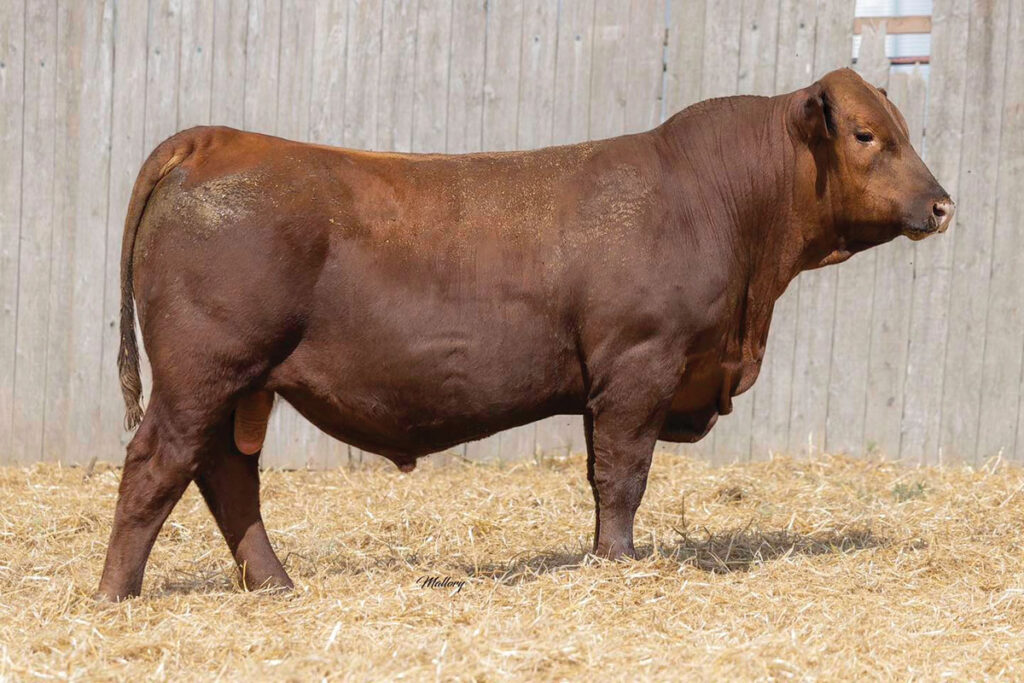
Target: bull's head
871	186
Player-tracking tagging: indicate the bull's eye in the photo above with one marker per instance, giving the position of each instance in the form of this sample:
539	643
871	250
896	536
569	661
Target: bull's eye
864	136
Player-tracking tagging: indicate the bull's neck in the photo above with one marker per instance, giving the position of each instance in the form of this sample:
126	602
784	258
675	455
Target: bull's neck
740	177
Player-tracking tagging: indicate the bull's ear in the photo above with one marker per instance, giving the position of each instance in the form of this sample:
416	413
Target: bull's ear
812	114
885	93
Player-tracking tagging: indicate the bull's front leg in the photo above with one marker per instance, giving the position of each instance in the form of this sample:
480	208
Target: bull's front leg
622	423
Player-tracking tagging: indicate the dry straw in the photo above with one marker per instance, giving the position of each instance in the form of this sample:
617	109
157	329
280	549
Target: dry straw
833	568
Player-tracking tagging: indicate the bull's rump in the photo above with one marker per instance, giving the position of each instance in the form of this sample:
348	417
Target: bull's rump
403	303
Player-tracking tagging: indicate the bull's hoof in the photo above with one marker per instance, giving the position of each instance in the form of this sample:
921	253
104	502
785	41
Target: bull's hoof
266	584
615	551
113	589
112	598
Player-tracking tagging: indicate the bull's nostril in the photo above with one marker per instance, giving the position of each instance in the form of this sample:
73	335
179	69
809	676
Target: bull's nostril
942	215
942	208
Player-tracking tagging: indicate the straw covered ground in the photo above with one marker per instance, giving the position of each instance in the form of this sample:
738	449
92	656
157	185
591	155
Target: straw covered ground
819	569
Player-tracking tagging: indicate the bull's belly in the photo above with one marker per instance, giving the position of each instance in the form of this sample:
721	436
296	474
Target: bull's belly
423	395
380	430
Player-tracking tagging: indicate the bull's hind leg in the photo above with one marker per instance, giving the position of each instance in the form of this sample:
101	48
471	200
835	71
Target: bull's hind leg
162	459
230	482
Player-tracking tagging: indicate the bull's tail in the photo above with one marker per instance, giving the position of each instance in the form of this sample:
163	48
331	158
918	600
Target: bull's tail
164	158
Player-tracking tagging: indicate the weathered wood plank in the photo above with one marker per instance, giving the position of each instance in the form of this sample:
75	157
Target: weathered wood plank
363	66
430	89
720	73
734	436
572	71
230	26
502	74
922	393
95	103
771	394
397	72
833	45
855	280
262	49
894	279
798	22
684	54
797	28
12	90
1004	333
759	34
195	71
272	38
645	71
560	436
164	40
63	417
466	79
608	73
500	131
327	99
833	36
817	293
972	238
58	368
295	86
127	152
37	228
75	333
537	74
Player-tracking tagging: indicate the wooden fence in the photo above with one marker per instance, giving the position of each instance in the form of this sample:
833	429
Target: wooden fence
914	350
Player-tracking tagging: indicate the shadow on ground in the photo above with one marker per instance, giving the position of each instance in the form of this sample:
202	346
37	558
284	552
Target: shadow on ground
733	550
197	581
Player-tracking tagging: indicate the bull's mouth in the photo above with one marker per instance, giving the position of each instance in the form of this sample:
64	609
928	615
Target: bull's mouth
919	233
928	228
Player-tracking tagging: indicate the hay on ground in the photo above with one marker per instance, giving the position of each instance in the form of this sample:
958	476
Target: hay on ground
829	568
